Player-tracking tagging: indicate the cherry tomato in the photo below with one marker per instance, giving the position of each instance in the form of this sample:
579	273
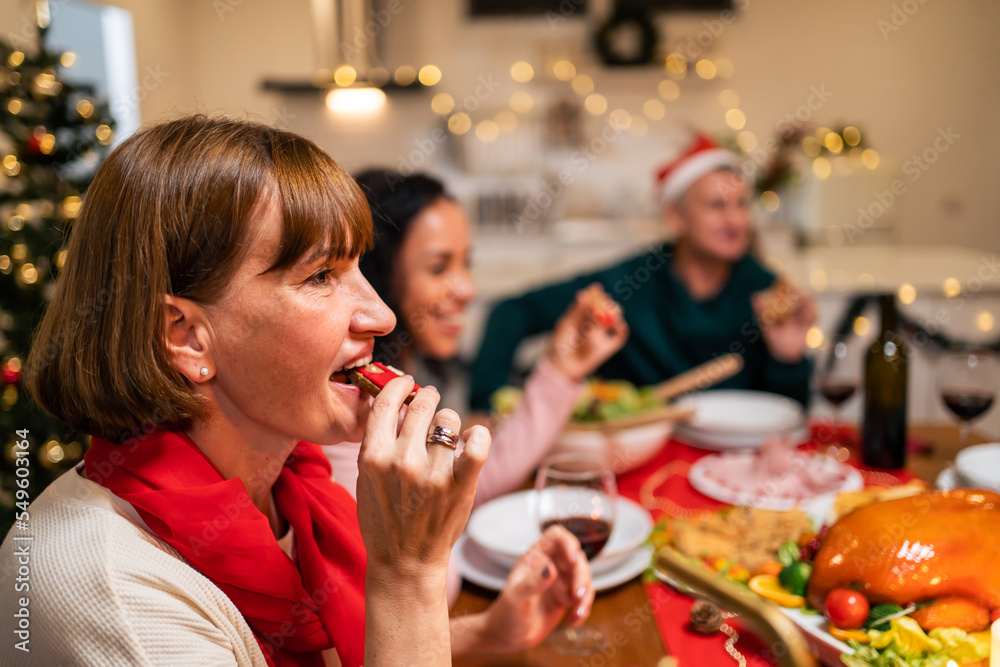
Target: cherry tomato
845	608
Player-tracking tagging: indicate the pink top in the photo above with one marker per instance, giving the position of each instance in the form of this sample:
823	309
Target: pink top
519	443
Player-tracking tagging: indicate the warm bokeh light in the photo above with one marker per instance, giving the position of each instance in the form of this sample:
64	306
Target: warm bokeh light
429	75
29	274
5	264
676	64
951	287
852	135
14	106
907	294
729	98
582	84
71	206
345	75
47	143
355	101
814	337
620	119
833	142
60	259
442	103
487	130
459	123
705	69
746	140
522	72
595	104
669	90
770	201
818	280
564	70
736	119
862	326
506	120
821	167
15	58
404	75
85	108
522	102
104	133
654	109
985	321
724	67
11	166
870	158
67	59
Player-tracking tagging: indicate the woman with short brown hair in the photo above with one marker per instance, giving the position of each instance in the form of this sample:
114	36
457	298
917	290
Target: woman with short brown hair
201	329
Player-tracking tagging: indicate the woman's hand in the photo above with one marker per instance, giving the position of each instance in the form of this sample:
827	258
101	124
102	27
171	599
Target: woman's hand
588	333
414	499
786	337
547	584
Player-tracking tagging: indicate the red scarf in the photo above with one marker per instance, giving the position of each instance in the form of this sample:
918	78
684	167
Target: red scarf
295	611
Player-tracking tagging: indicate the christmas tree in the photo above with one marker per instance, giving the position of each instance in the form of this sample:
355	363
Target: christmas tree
53	135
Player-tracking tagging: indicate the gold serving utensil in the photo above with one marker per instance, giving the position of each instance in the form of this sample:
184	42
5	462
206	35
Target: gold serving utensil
773	627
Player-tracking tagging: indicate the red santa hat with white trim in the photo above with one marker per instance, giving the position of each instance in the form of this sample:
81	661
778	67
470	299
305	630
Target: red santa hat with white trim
701	157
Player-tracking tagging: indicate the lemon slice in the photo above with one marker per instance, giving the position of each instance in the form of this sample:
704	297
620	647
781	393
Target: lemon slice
767	586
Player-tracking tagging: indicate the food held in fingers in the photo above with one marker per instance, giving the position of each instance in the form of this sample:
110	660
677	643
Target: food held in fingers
601	307
374	376
779	302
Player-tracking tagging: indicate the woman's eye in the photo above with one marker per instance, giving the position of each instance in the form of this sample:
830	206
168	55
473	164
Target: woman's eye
438	269
322	277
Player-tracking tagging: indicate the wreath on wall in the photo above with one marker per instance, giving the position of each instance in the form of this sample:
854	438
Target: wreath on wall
626	39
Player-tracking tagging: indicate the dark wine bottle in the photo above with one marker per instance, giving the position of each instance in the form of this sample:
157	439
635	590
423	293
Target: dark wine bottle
883	431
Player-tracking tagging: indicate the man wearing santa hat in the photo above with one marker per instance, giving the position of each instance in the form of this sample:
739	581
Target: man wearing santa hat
686	302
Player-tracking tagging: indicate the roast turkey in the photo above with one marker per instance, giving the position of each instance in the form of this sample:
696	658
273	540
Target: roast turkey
942	546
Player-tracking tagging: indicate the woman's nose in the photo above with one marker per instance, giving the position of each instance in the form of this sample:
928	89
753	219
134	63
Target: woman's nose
462	288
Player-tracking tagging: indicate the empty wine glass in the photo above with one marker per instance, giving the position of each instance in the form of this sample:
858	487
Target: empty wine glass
967	382
837	383
578	492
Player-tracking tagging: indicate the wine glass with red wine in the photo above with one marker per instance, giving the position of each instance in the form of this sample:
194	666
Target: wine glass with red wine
839	381
578	492
967	382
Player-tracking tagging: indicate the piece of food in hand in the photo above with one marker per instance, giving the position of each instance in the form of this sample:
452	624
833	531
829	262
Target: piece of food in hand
847	609
601	307
779	302
373	378
929	547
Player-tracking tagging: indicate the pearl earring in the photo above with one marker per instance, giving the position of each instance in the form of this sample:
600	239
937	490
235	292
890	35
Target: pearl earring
204	371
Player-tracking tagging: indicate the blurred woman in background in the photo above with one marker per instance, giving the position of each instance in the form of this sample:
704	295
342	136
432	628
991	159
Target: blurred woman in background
420	267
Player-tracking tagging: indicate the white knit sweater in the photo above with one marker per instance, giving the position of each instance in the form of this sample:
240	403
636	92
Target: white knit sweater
105	591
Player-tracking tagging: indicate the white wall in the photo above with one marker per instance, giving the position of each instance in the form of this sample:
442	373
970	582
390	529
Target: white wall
935	71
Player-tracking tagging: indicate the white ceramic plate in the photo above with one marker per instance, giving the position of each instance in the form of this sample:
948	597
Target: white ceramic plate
737	441
979	465
737	419
505	527
818	507
476	567
737	411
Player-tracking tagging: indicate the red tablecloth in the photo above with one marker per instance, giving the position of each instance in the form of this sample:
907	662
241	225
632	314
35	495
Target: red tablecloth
677	498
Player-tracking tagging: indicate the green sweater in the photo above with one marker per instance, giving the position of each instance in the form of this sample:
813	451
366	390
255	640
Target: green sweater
670	331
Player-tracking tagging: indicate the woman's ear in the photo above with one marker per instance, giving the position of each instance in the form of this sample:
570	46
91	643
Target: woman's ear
185	332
